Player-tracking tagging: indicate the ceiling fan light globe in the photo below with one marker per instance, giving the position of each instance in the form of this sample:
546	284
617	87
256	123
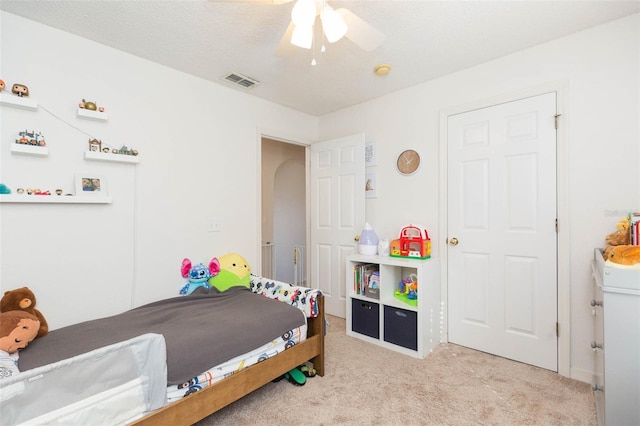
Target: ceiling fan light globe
333	24
304	13
302	36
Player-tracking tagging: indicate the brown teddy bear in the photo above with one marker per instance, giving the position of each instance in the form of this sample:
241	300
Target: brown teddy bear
23	299
620	237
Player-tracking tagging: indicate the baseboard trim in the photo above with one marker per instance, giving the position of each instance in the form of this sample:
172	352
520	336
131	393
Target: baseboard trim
582	375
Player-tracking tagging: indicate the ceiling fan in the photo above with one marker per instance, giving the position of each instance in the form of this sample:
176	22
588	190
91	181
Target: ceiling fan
314	21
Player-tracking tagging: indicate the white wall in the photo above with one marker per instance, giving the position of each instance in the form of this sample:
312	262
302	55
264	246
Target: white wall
199	160
86	261
601	68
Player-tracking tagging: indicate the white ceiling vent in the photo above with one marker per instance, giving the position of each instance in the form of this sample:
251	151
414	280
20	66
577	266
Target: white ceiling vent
241	80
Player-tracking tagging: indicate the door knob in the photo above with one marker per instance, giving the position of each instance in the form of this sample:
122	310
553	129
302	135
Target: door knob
356	238
453	241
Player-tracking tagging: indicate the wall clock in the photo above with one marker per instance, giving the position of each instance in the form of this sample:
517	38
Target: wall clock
408	162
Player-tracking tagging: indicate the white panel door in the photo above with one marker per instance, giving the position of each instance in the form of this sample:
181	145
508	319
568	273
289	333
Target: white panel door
337	214
502	285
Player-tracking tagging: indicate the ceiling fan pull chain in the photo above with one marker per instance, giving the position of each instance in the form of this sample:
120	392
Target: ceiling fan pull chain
313	48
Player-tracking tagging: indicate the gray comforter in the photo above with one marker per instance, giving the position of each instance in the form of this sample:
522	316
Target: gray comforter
200	330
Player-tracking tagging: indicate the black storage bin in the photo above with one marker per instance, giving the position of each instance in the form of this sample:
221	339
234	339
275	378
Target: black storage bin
401	327
365	318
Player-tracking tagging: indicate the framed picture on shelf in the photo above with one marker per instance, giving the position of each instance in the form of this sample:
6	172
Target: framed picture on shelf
89	184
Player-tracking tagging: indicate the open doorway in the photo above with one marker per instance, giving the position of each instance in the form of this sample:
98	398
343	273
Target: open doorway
284	211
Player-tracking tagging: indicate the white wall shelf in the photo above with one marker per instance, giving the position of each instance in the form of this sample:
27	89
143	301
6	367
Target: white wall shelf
17	148
118	158
94	115
53	199
17	101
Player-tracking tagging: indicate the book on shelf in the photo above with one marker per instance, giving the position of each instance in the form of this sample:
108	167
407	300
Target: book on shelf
634	228
366	280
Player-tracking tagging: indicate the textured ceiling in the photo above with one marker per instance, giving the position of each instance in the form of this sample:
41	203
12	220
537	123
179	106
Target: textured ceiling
424	40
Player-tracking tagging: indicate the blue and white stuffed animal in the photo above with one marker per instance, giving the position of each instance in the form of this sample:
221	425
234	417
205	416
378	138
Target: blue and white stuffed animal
197	275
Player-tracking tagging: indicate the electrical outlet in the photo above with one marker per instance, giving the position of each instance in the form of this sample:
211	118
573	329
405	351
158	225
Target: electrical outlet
214	225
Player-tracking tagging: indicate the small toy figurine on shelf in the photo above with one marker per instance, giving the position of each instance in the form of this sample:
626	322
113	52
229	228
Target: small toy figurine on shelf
2	85
4	189
408	290
95	145
91	106
20	90
124	150
31	138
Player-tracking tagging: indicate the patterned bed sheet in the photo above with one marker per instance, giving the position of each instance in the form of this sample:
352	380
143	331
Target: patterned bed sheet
228	368
303	298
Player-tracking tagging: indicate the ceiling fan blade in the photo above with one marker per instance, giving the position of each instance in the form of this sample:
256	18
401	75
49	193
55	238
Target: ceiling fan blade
252	1
360	32
285	47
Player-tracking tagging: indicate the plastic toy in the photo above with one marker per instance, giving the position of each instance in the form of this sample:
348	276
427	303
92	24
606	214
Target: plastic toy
20	90
31	138
414	242
307	370
91	106
2	85
296	377
408	290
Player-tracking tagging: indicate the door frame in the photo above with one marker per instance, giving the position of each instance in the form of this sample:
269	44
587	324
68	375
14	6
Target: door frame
260	134
562	194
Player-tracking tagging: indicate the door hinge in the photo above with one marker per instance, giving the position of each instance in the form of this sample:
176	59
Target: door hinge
556	226
557	329
555	119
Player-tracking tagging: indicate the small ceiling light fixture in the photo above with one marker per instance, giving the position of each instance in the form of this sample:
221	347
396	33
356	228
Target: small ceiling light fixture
382	70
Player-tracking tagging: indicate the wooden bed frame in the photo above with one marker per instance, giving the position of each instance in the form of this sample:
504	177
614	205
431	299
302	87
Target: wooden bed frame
201	404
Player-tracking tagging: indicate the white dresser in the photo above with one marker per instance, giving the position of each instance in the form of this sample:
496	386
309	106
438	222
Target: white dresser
616	344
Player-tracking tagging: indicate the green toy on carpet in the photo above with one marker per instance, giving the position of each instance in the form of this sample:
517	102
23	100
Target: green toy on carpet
307	371
296	377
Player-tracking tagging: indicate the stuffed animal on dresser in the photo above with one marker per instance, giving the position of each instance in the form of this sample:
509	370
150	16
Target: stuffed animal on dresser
626	255
23	299
617	238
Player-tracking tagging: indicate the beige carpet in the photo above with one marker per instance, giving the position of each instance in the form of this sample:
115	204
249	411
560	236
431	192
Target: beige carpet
367	384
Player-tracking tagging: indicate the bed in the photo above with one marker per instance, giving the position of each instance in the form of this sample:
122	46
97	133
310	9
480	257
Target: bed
142	367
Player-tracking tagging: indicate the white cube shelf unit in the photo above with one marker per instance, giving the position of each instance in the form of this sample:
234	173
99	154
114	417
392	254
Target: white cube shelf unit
388	320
